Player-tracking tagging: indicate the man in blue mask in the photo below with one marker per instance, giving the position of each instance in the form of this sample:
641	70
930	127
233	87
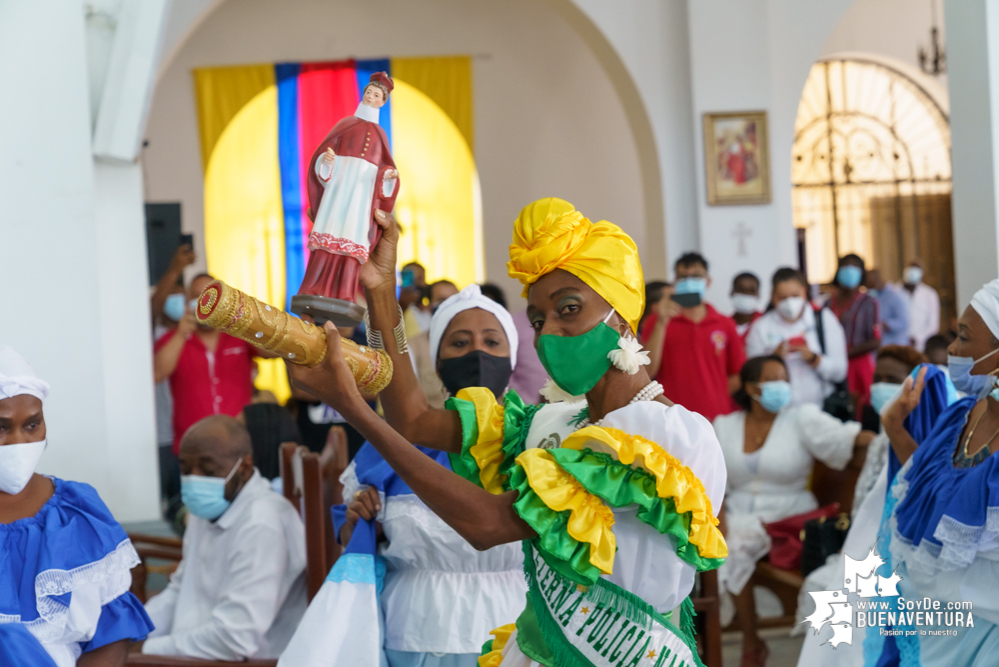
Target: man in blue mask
239	591
695	351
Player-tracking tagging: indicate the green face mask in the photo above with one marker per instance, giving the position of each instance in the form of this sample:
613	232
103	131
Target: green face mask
576	363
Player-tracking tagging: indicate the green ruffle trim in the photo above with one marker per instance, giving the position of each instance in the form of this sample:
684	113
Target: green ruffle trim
463	463
517	417
620	485
616	484
563	553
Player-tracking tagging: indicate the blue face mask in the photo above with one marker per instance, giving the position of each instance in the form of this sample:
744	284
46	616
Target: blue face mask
849	276
959	369
205	496
173	307
883	393
774	396
691	286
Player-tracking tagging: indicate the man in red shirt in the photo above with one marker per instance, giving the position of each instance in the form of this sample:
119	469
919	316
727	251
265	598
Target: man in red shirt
695	352
210	372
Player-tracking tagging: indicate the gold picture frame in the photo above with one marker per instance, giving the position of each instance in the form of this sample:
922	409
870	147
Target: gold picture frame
736	158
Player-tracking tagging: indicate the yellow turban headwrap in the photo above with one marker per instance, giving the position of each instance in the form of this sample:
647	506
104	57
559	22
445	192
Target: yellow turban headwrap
551	234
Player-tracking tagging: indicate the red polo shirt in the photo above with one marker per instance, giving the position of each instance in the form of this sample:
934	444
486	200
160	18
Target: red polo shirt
206	384
697	360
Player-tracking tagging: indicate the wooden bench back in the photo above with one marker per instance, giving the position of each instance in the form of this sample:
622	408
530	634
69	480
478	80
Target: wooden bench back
303	470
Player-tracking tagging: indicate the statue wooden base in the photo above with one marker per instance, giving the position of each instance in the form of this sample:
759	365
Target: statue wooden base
322	309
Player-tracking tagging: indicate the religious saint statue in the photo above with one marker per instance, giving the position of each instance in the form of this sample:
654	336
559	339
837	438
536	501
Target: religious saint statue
351	176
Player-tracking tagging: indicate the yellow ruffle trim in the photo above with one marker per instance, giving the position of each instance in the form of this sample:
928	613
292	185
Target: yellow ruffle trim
673	480
488	449
590	520
502	636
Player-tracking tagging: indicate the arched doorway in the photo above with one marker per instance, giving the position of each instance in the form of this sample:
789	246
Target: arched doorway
871	173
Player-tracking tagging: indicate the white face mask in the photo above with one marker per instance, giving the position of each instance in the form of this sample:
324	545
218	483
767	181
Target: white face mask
791	308
745	304
17	465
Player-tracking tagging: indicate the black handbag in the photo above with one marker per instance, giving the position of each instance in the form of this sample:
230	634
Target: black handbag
839	403
821	538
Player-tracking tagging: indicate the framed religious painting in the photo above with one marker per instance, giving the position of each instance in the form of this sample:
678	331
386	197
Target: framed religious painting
736	158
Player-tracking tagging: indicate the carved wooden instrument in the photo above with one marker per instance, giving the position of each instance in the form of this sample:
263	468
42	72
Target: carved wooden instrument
240	315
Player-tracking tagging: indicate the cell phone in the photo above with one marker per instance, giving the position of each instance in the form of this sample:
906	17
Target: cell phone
797	341
406	278
689	300
187	239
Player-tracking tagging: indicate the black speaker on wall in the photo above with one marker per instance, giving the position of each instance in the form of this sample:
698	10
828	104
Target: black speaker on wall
162	237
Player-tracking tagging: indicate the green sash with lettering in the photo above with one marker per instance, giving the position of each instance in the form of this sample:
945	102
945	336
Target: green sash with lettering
603	625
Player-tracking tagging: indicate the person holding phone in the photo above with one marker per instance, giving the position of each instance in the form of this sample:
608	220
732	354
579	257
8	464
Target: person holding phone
816	359
412	292
695	352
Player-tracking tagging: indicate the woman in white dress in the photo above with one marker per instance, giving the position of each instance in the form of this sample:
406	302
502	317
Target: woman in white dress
811	341
769	448
441	596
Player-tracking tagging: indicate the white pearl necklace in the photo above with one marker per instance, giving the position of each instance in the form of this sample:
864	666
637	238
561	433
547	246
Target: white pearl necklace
648	393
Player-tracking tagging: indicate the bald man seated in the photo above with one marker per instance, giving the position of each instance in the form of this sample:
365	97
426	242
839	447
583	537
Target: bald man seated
239	591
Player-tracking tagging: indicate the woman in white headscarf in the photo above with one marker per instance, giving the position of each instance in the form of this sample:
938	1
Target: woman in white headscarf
65	563
441	597
941	528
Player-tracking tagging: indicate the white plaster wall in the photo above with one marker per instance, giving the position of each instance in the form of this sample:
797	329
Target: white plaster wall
132	486
650	65
974	98
68	273
749	55
547	118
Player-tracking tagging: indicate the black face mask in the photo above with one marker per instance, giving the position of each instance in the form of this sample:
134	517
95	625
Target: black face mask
476	369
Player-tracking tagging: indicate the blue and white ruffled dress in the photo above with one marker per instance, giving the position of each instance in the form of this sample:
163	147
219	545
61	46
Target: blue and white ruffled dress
65	575
944	529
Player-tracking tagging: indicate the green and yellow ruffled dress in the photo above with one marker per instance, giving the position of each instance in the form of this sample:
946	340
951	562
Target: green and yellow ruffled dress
623	512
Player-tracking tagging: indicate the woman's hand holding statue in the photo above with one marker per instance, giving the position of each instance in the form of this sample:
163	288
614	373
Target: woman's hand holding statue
379	271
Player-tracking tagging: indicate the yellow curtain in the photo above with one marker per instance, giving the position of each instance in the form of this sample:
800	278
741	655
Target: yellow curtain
438	205
220	93
448	82
244	222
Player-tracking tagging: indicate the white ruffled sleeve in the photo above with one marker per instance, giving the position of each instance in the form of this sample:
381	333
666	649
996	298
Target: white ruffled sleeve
826	438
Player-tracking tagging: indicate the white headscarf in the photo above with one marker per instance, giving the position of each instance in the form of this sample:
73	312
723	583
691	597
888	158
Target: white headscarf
17	377
986	303
466	299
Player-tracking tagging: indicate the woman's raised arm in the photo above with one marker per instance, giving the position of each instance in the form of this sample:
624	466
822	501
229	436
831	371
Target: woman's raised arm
483	519
406	407
893	421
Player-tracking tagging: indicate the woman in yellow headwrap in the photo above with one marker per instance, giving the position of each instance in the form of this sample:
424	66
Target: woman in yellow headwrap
611	490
